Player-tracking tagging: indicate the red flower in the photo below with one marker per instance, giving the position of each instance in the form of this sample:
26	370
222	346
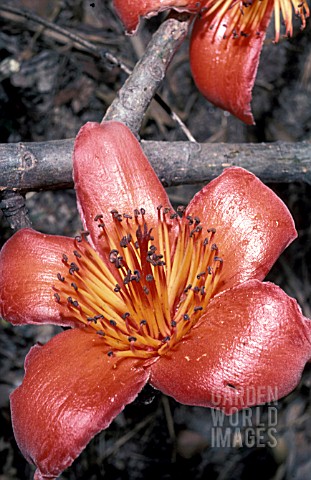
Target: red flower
151	296
226	42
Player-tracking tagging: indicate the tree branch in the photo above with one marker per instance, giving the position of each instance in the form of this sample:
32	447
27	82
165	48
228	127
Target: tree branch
134	97
47	166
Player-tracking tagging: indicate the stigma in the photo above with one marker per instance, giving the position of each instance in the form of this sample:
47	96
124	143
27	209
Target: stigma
152	287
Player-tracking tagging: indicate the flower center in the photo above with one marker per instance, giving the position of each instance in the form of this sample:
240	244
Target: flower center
151	289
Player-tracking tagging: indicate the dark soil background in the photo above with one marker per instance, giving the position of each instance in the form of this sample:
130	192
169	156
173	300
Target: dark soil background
49	91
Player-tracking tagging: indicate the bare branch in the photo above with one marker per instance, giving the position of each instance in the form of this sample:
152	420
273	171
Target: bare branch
139	89
44	166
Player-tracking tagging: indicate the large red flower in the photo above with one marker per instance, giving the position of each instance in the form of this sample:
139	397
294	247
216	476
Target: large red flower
225	44
176	300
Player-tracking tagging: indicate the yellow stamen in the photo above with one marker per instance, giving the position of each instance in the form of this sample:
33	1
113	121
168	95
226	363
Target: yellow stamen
158	286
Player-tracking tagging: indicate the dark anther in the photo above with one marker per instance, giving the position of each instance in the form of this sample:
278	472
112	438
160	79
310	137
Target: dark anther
146	290
127	278
91	319
174	215
65	258
101	333
114	212
210	270
142	211
197	220
60	277
159	207
57	297
75	303
69	300
190	220
99	216
188	288
186	316
77	254
166	339
199	275
73	268
143	322
136	212
197	229
149	277
211	230
110	353
118	262
126	215
99	317
74	285
125	315
136	276
214	247
78	238
173	323
136	245
101	225
113	255
218	259
125	240
166	210
181	209
202	290
113	323
151	250
205	242
117	288
196	289
132	339
197	309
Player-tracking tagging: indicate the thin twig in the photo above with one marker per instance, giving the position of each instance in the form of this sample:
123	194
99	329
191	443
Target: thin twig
139	89
105	55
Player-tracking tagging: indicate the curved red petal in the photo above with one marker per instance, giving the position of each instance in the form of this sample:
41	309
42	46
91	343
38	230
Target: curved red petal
249	348
130	11
253	226
111	172
224	69
29	264
71	391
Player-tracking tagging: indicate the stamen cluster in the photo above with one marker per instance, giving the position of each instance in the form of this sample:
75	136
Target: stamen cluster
151	289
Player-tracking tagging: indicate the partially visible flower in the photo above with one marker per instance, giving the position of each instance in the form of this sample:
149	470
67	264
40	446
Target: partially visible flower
225	44
151	296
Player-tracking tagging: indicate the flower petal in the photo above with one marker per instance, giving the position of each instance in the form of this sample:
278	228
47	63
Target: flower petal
249	348
253	226
112	172
29	264
71	391
224	69
130	11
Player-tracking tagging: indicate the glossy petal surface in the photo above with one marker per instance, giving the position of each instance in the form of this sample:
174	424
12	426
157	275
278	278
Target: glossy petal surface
70	392
130	11
224	69
29	264
253	226
249	348
112	172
